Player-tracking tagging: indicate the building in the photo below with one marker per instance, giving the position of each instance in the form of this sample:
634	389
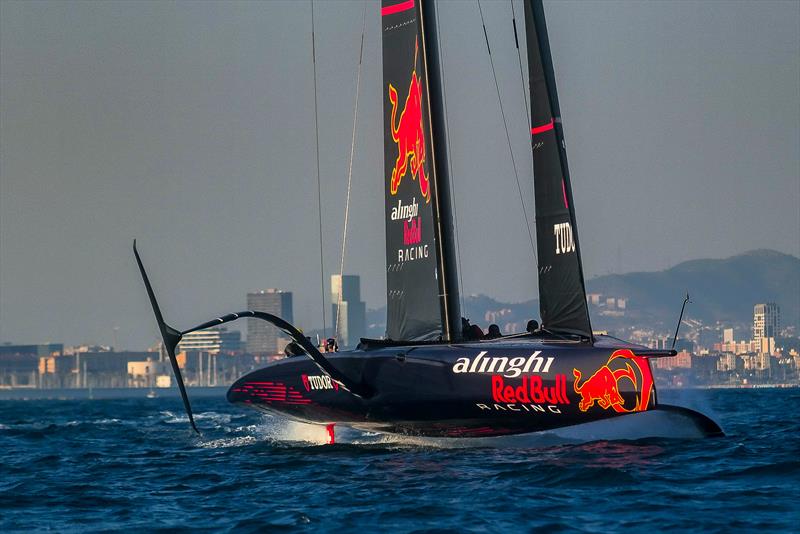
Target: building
737	347
730	362
683	360
148	373
727	335
262	337
212	340
20	364
348	311
766	320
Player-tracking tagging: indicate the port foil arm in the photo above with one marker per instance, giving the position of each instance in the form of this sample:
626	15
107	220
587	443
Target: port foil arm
170	336
322	362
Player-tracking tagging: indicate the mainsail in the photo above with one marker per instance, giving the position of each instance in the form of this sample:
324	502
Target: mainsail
562	294
415	307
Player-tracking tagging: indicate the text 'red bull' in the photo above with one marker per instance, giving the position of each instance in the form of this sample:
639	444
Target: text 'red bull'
532	389
412	231
409	136
603	386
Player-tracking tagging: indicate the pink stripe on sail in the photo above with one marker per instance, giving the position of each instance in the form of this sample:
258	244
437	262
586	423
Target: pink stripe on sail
543	128
397	8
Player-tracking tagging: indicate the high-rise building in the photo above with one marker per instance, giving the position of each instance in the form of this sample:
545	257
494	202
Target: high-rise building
766	320
349	312
727	335
262	337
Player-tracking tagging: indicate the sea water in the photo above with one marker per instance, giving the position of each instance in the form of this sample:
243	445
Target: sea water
83	465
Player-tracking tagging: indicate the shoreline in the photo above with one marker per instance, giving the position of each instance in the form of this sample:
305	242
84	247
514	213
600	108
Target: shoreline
731	386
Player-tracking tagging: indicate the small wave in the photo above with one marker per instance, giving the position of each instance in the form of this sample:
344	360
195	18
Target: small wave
224	443
778	469
106	421
214	417
92	422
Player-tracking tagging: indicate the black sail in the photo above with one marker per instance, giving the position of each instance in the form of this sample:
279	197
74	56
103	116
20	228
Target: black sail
562	293
415	309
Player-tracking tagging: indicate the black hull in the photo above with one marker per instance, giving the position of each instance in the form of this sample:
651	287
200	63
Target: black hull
468	390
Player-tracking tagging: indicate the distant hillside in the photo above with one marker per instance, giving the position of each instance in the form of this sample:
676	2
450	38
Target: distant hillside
721	290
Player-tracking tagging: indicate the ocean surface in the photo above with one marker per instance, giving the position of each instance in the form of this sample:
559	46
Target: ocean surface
98	465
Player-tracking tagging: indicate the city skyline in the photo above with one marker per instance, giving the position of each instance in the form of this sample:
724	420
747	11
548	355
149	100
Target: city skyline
123	120
216	357
252	302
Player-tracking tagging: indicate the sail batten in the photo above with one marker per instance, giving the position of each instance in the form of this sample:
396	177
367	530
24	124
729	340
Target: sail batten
562	293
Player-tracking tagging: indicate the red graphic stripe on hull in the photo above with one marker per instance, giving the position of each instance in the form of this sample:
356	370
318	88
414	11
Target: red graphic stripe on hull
397	8
543	128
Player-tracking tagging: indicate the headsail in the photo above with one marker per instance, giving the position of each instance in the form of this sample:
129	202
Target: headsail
562	293
415	308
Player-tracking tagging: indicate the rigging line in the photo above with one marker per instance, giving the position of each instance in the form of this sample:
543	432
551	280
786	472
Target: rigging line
508	137
450	163
319	185
350	171
519	58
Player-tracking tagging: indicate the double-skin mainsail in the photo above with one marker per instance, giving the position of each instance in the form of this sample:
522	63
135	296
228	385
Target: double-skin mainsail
422	296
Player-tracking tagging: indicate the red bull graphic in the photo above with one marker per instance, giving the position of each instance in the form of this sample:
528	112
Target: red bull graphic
409	135
603	386
532	390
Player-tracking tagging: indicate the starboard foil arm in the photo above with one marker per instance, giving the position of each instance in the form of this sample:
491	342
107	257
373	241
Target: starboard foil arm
172	337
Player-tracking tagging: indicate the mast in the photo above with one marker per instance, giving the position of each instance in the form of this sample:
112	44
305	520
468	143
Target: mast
443	211
421	277
562	291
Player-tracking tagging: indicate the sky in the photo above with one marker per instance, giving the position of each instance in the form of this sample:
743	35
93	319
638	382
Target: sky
190	126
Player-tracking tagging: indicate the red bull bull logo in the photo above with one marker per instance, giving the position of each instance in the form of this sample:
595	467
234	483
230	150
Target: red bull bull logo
603	387
409	135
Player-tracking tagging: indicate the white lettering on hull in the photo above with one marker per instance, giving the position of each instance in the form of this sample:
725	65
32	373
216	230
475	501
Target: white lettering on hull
514	407
508	367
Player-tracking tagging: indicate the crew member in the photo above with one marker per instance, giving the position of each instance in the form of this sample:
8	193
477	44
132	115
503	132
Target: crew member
293	349
470	332
331	345
494	332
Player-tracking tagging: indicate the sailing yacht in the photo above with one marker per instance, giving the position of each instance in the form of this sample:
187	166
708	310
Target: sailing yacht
429	376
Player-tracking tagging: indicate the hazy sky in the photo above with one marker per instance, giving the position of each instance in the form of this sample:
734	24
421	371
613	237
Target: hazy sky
190	125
